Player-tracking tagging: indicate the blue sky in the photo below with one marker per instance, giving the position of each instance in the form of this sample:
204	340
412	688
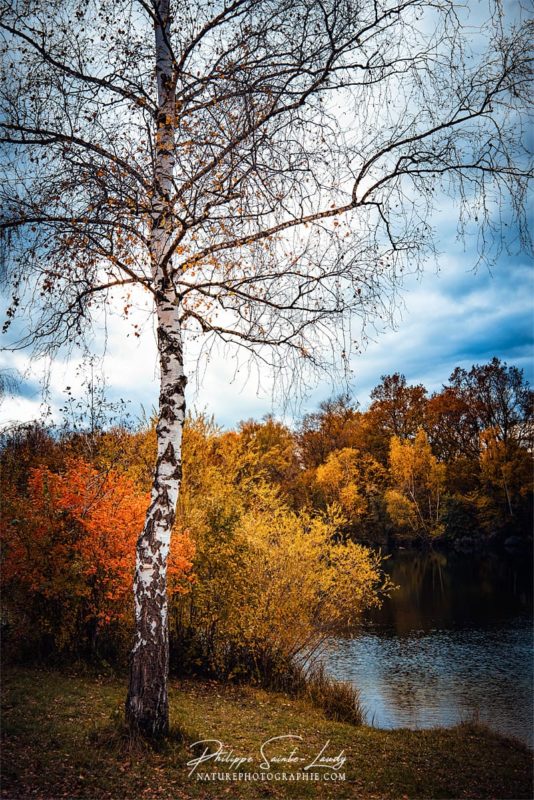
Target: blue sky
447	318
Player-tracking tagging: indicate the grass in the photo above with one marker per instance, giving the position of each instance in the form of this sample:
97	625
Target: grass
62	739
339	700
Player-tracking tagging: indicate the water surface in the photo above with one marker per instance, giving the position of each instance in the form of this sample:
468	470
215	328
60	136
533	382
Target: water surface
453	643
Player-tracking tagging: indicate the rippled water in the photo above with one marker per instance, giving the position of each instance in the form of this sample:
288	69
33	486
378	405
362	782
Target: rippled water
454	642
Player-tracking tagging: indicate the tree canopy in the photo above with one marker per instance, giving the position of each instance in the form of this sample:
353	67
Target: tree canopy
304	145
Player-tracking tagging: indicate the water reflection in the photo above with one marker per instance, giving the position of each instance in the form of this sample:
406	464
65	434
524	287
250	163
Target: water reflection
438	590
454	642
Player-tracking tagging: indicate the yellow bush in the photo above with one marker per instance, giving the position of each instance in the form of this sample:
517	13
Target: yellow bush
271	584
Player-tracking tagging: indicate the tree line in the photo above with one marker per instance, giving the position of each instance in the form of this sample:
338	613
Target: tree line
268	555
420	467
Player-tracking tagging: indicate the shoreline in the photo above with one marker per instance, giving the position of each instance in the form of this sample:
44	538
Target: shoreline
62	738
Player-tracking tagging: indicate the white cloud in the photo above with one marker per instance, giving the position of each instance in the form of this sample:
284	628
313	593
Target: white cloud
453	318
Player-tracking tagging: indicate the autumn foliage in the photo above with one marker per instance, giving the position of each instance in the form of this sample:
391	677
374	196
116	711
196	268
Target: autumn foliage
270	552
415	501
69	551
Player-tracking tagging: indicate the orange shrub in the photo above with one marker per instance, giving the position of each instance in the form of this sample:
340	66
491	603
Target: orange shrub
69	551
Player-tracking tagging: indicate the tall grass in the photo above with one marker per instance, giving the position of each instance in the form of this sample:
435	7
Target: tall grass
339	700
264	666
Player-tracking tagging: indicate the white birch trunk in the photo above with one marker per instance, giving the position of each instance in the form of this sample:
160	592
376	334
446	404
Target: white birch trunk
147	701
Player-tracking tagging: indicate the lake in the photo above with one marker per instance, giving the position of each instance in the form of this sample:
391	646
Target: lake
454	642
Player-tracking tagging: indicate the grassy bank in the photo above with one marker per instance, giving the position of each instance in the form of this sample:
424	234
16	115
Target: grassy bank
61	741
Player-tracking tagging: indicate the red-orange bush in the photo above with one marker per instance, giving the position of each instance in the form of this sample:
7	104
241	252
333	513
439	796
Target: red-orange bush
69	553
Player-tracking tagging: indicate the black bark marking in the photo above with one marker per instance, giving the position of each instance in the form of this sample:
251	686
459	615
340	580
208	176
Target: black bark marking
169	455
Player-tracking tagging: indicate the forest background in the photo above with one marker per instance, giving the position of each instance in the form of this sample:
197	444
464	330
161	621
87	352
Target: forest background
269	518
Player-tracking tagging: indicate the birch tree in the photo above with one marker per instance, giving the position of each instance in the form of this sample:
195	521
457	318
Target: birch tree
264	169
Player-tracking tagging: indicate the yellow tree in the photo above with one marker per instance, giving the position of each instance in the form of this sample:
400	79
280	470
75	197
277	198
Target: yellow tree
414	502
506	472
276	447
355	481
